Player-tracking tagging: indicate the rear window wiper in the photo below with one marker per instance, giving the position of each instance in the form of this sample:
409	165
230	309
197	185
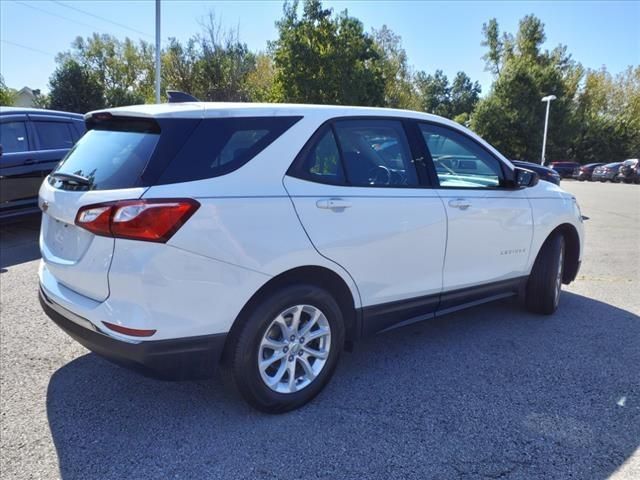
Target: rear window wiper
72	177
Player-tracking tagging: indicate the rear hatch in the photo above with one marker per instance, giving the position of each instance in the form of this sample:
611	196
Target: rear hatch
117	159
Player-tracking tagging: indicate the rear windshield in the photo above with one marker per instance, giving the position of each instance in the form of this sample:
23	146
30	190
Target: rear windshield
125	153
108	159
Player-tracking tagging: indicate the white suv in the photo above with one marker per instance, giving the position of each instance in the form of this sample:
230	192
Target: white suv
267	237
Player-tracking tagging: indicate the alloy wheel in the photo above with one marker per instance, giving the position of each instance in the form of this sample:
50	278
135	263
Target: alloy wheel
294	349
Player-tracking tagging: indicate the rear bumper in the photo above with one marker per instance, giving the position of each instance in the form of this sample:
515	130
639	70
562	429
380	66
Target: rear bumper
175	359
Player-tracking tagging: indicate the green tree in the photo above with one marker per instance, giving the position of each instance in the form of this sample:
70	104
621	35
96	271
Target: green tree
511	116
179	66
73	88
7	95
213	65
326	59
124	69
464	95
223	65
260	82
608	116
433	93
399	91
495	45
436	95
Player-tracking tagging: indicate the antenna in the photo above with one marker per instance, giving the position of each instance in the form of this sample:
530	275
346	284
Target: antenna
176	96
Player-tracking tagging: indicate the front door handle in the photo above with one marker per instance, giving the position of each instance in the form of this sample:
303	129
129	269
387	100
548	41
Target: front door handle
461	203
335	204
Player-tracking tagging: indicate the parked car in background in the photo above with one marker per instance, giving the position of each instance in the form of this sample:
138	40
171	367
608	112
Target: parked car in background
32	143
628	172
606	172
267	237
545	173
564	169
584	172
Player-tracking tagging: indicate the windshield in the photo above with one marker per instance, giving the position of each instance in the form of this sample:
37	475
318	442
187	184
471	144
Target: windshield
108	159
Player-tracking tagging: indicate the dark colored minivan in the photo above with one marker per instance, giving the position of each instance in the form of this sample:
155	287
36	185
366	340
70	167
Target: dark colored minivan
32	142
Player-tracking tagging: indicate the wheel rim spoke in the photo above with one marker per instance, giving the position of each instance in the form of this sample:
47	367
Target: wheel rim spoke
295	322
273	381
314	335
312	321
267	362
320	354
291	368
281	322
308	369
300	335
273	344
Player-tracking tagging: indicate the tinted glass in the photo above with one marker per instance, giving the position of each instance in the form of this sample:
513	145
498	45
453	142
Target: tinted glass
375	153
13	137
109	159
221	145
459	161
322	163
237	145
53	135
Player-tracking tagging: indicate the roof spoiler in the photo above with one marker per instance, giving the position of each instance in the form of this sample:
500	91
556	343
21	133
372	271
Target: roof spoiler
176	96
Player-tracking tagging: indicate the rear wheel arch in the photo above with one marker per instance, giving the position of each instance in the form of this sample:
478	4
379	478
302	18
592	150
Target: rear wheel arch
321	277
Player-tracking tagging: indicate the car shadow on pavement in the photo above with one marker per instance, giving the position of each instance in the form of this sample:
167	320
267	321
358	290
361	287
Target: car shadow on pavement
489	392
19	241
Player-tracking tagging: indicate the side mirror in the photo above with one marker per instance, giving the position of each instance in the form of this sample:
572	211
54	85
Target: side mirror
525	178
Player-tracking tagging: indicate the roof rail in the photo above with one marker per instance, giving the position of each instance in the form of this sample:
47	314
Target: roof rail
176	96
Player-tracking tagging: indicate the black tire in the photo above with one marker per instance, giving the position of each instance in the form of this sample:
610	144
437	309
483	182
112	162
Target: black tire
543	291
240	359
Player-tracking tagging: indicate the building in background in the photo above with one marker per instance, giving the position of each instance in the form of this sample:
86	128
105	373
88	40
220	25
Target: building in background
26	97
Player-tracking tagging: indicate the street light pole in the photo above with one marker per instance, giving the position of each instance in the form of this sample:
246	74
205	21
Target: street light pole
548	99
157	51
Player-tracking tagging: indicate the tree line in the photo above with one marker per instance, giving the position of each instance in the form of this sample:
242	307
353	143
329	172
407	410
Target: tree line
324	57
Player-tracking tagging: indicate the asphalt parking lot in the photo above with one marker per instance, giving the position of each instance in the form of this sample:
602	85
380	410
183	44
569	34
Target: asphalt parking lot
492	392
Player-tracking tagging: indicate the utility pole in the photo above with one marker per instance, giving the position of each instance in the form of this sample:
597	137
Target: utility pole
157	51
548	99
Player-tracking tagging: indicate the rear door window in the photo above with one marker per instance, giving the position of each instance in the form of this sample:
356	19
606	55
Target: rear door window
53	135
13	137
322	162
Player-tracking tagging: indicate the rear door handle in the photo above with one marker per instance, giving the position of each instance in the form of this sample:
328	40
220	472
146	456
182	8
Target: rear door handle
461	203
335	204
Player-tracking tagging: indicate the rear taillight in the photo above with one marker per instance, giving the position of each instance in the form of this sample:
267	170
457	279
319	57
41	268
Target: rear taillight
149	220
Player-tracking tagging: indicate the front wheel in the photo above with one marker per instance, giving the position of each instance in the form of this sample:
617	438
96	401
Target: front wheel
545	282
286	348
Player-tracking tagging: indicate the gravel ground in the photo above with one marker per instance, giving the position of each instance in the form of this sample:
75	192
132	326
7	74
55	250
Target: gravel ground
492	392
